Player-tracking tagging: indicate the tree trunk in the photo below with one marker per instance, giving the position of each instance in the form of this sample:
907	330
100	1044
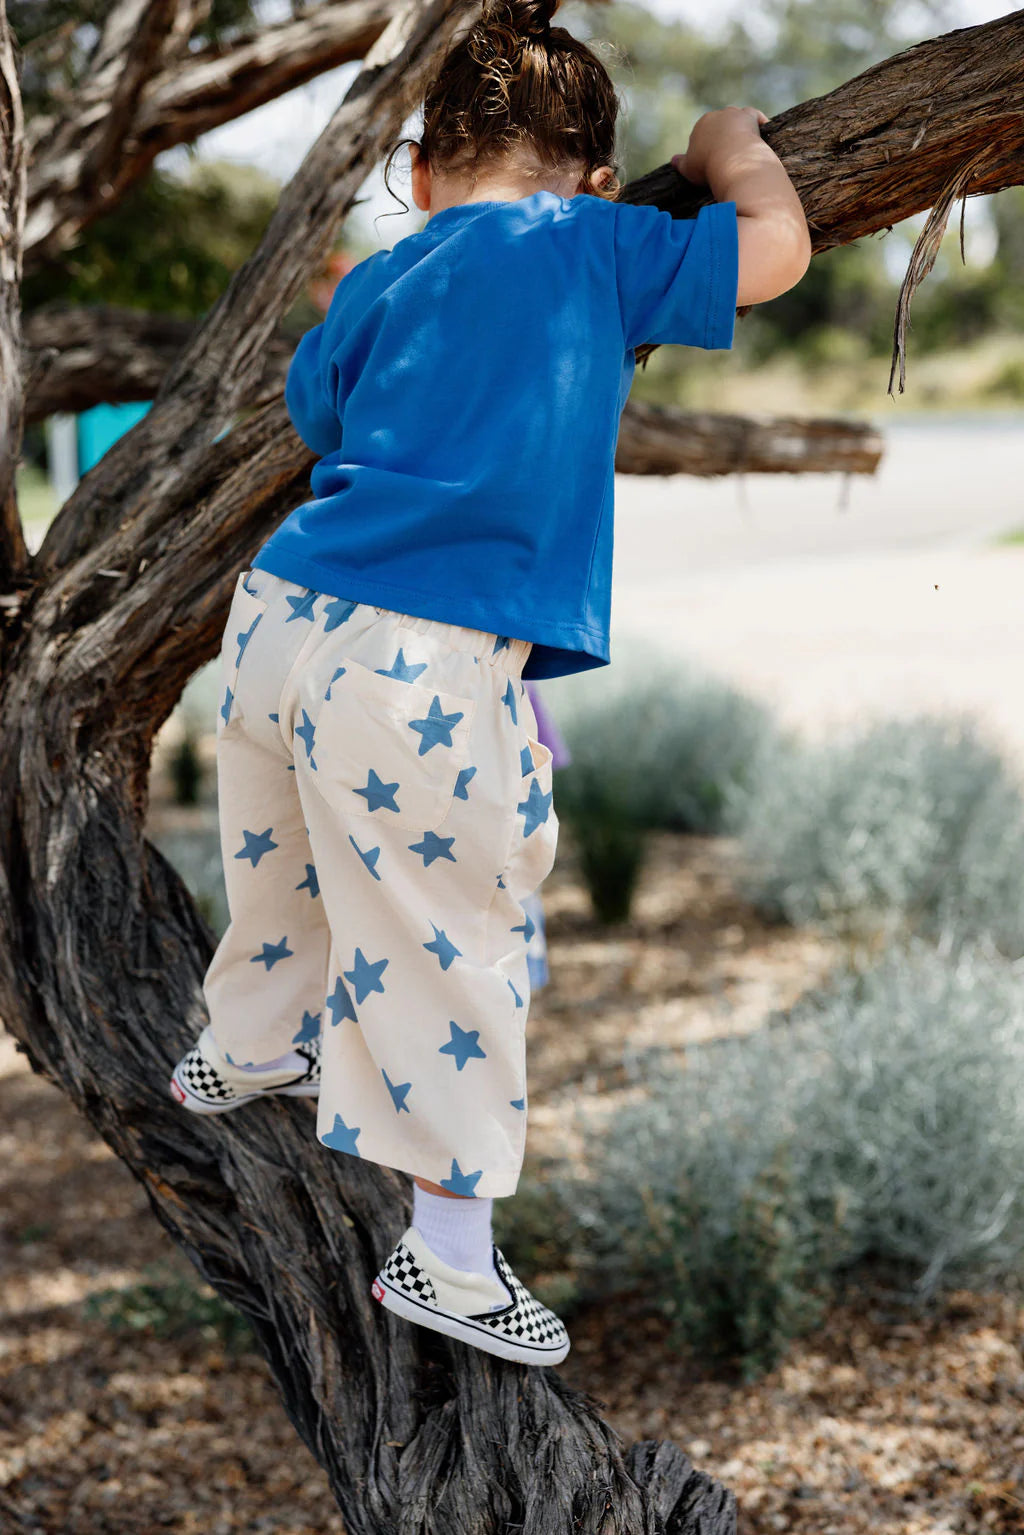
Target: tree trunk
75	358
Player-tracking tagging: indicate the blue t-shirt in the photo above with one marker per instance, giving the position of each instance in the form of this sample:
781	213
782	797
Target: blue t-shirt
463	394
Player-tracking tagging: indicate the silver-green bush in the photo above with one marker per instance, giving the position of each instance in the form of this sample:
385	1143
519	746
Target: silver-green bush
912	826
883	1120
654	747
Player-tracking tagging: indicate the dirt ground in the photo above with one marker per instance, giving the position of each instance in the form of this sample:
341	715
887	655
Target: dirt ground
121	1414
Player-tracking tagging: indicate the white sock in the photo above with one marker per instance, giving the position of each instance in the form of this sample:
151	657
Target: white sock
293	1061
457	1230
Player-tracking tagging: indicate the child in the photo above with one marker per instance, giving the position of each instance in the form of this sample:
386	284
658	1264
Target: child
385	802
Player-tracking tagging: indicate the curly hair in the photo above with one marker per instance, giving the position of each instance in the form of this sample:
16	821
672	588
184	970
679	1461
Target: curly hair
516	82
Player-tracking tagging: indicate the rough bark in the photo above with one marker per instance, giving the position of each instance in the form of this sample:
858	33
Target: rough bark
187	96
102	953
12	214
75	358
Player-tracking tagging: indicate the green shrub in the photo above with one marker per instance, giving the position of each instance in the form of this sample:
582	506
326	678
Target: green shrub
654	747
883	1121
186	770
912	826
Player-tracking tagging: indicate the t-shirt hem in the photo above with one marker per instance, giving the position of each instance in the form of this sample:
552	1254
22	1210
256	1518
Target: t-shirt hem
574	639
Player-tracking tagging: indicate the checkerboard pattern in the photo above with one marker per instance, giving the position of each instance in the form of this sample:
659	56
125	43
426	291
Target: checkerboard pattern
526	1321
405	1274
204	1080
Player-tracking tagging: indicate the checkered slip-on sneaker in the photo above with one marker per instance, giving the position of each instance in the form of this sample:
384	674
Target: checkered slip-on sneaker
417	1285
205	1082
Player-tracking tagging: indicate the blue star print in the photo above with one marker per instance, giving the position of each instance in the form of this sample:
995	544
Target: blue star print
463	1046
403	670
379	795
310	883
460	1182
398	1094
308	1030
338	612
519	1000
517	1103
501	642
257	846
272	952
305	732
370	858
244	638
225	708
534	809
339	673
301	607
342	1137
340	1004
525	927
443	947
433	847
509	699
461	791
364	976
436	729
526	760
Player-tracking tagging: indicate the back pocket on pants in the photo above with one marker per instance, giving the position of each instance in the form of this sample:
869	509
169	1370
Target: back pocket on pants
390	750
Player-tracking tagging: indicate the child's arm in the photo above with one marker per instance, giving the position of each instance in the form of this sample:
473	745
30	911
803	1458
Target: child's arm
727	154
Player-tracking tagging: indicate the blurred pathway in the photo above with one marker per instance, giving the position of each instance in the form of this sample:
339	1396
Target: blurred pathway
903	599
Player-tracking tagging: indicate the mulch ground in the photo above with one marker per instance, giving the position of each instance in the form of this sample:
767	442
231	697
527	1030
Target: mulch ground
134	1411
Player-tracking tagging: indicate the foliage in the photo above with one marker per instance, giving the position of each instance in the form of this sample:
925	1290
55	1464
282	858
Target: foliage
882	1122
912	825
185	768
171	246
654	747
165	1305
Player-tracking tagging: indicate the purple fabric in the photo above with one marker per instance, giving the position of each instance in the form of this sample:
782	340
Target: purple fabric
548	732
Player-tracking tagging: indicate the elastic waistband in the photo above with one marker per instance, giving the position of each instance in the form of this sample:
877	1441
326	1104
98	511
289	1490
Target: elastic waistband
499	650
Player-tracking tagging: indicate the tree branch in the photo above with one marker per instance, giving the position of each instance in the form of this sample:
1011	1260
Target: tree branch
13	553
189	96
892	142
220	369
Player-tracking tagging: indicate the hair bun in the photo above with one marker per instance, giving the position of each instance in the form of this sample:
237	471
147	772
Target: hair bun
530	18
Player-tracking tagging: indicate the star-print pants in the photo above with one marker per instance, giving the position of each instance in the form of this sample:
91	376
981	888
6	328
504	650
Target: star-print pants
385	811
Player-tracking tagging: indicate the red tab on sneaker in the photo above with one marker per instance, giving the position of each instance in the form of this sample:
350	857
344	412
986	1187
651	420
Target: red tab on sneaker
377	1290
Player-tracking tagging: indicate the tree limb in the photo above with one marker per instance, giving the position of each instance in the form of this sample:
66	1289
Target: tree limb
944	116
13	553
190	95
75	358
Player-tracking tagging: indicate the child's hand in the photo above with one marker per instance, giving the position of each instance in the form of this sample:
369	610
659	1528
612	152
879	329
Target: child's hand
714	134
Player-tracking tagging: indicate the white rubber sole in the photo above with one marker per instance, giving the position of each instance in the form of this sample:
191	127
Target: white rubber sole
187	1099
464	1329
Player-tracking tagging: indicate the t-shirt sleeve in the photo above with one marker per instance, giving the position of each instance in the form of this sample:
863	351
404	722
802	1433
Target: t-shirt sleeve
677	278
313	416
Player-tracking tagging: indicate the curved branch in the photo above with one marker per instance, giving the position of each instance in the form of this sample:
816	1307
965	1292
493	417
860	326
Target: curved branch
220	369
13	552
190	95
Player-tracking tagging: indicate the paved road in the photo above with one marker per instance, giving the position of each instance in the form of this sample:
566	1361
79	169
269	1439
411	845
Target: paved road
901	602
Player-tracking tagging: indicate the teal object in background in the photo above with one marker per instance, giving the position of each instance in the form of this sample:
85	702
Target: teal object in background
99	429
